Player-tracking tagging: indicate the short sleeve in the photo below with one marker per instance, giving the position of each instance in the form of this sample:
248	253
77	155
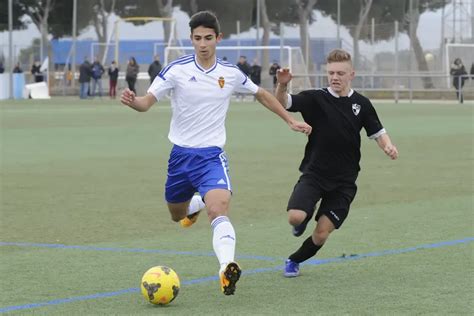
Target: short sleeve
371	121
162	85
299	101
244	84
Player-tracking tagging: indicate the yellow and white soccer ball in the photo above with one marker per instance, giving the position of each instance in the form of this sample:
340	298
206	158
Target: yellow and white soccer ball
160	285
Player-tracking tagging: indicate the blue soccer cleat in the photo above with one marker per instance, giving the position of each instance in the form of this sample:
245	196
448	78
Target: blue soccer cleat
292	269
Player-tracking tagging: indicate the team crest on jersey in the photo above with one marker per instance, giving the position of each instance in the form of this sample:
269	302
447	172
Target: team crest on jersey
221	82
355	108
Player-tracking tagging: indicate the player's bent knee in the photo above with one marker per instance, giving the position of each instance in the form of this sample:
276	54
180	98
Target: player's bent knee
296	217
320	236
214	211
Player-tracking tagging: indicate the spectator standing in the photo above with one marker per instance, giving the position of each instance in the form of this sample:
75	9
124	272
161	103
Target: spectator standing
113	77
36	71
85	73
459	73
132	74
154	68
255	74
244	66
97	72
273	72
17	69
2	68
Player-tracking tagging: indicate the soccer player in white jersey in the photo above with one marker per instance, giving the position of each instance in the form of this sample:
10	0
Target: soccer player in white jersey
202	86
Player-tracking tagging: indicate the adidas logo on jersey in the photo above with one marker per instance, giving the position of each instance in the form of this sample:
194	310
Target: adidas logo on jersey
192	79
221	181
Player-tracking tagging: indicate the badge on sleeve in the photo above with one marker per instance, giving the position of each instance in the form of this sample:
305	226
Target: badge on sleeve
221	82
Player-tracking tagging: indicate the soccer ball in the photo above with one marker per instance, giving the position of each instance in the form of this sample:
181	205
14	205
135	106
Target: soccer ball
160	285
429	57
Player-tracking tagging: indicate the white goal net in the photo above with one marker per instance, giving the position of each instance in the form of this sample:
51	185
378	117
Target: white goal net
285	56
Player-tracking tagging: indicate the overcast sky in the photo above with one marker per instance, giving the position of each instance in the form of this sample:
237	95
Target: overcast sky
429	31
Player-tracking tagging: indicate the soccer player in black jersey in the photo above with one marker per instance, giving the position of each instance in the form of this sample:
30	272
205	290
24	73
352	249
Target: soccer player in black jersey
331	160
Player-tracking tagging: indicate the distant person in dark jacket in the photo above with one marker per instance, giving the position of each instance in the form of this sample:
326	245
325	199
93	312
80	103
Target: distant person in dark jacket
459	73
244	66
472	71
113	77
17	69
255	74
85	73
2	68
131	74
36	71
154	68
97	71
273	72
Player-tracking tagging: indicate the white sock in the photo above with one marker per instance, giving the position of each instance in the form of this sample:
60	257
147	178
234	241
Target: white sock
223	240
195	205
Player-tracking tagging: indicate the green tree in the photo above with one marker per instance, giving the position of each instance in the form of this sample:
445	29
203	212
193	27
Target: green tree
18	23
387	12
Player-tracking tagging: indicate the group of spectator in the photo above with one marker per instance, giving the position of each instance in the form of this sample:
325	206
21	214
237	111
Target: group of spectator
255	71
35	70
96	70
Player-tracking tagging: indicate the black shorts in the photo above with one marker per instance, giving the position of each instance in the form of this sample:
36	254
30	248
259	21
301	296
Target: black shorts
335	195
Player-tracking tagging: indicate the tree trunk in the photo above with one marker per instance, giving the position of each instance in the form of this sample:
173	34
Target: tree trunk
266	24
165	11
365	6
101	20
411	25
304	12
194	6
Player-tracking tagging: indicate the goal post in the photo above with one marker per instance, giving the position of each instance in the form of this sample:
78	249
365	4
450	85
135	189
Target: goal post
115	34
286	56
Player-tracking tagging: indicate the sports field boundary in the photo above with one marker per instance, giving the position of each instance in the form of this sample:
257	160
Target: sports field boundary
210	278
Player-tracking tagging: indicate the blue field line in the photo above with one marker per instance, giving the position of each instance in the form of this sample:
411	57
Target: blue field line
135	250
247	272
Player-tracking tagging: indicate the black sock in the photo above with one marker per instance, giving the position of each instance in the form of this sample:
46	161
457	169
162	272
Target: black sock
306	251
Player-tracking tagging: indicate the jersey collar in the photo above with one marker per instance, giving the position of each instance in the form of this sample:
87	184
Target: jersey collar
202	69
334	94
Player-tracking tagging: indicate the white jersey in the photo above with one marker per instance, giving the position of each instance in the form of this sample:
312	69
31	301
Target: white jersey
200	99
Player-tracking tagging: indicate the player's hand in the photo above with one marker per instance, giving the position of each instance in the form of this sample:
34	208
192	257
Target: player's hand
391	151
284	75
302	127
127	97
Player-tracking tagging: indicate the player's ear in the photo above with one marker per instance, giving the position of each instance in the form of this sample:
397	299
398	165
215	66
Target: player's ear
219	37
352	74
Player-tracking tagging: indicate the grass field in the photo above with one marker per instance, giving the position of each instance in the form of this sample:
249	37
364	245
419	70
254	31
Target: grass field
83	216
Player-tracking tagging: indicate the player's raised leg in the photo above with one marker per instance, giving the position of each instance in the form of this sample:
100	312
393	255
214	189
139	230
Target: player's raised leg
195	206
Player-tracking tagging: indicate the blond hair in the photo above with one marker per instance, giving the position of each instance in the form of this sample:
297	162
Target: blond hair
339	55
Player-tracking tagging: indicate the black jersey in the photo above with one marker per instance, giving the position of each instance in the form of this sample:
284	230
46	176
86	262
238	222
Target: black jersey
333	148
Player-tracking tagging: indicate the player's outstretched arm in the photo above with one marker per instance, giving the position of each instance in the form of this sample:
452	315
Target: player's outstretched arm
140	104
283	77
386	145
271	103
